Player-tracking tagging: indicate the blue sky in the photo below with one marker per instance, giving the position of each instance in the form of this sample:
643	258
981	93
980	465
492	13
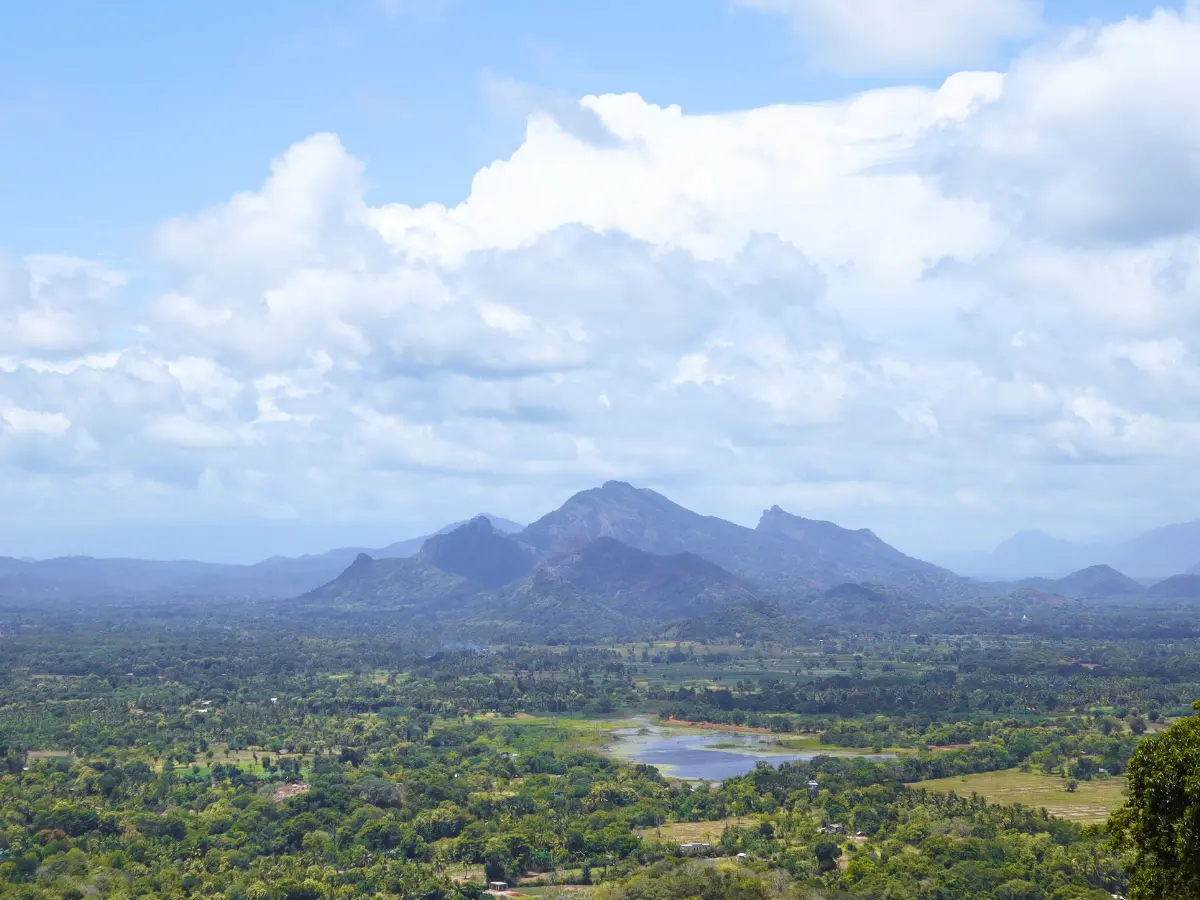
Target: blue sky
276	277
116	116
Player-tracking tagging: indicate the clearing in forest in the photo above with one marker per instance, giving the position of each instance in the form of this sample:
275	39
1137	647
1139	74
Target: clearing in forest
1092	801
685	832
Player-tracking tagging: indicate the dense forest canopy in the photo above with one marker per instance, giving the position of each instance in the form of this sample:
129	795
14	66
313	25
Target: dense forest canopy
190	753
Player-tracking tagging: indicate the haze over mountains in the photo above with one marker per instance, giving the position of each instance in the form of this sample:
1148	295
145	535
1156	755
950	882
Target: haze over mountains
618	560
1153	554
1092	583
81	577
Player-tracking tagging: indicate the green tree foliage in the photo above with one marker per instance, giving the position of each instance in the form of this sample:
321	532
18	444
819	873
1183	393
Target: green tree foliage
1160	824
827	854
188	758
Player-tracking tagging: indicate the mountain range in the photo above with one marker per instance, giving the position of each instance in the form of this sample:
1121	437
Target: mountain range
502	582
618	560
1153	554
85	577
782	553
611	561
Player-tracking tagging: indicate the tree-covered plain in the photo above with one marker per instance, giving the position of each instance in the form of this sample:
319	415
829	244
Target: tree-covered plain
204	753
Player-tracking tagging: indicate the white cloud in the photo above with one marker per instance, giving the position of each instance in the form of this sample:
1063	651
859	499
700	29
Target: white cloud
30	421
1094	138
865	309
55	304
903	35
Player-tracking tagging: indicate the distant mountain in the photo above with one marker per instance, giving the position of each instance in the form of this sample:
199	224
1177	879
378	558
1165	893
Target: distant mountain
340	558
641	518
1097	583
1153	554
479	552
1177	587
1091	583
449	574
412	584
486	582
606	588
1028	554
72	577
1163	551
784	554
1194	570
871	606
839	554
645	585
76	578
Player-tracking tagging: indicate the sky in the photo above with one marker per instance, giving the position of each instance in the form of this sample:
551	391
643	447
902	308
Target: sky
280	277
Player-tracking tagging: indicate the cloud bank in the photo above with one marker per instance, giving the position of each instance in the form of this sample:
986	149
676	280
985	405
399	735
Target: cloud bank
941	313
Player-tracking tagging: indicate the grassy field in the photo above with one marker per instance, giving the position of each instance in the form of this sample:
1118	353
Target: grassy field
590	732
574	890
812	744
696	831
1091	802
243	759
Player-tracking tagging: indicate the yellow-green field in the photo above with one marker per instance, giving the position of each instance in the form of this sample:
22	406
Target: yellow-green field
243	759
586	731
574	891
1091	802
696	831
50	754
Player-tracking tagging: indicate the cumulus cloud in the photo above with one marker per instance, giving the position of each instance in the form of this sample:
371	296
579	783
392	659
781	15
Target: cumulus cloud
867	310
55	304
1094	139
889	36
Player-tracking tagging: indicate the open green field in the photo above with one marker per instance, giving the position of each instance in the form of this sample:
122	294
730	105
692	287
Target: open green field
586	731
684	832
580	891
1091	802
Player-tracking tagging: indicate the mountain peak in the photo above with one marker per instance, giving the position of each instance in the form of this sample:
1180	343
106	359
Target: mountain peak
785	552
499	523
361	565
1098	582
778	519
614	487
479	552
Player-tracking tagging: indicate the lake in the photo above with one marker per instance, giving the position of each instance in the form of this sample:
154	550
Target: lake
697	755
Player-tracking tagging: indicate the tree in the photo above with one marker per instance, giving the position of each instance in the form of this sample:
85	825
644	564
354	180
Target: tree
1160	823
380	791
498	864
827	853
